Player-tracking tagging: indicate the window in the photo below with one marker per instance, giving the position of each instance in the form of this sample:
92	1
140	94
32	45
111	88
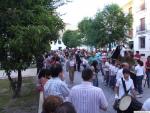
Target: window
130	10
142	24
142	7
142	42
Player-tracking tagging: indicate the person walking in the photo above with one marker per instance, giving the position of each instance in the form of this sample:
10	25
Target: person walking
78	60
87	98
56	86
140	72
70	68
147	67
94	68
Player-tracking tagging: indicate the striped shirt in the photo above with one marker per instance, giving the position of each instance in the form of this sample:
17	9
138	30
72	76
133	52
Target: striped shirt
87	98
56	87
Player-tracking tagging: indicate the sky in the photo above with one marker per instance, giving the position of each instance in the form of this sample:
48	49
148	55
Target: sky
74	12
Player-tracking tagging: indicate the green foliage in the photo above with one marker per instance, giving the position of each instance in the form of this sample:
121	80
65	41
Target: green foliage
87	32
108	26
72	39
26	28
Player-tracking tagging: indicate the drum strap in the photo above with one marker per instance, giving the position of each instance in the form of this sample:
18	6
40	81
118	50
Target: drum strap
124	87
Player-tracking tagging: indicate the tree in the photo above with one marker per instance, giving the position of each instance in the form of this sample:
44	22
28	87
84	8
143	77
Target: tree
26	28
72	39
108	26
87	31
115	23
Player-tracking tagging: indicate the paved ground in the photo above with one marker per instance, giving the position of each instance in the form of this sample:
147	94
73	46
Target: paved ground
27	73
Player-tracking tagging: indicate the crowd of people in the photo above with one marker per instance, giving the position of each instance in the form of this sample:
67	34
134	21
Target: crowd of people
87	97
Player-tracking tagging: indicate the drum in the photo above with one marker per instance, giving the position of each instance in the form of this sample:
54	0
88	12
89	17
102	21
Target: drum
125	102
128	103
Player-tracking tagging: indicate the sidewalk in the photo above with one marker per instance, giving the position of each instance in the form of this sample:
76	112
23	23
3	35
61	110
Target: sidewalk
26	73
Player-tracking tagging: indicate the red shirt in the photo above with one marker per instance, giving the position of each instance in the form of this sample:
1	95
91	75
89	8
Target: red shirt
147	65
137	56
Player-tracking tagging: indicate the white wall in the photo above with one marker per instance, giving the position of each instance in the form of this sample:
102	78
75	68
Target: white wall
55	46
137	15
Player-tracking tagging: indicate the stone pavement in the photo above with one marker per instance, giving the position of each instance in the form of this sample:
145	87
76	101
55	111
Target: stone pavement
26	73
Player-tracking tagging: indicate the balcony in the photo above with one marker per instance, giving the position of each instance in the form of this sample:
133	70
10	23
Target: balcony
141	30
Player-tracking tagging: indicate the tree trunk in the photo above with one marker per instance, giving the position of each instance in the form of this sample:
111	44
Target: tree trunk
12	83
15	84
19	83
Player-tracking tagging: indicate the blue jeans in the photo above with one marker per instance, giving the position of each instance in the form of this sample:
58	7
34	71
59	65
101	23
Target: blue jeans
112	81
139	84
95	80
148	78
101	69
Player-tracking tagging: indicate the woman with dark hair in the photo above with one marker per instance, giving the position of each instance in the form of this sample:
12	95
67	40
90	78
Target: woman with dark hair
51	103
94	68
44	76
66	107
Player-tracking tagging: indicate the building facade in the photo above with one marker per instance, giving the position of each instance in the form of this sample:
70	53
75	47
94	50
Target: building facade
140	33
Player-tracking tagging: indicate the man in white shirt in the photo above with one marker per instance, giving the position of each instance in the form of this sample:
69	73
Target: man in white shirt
119	90
140	72
87	98
146	105
106	70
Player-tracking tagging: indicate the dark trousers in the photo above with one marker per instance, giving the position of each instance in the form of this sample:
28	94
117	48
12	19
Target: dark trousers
148	78
101	69
95	80
133	77
139	84
107	77
112	81
84	66
78	66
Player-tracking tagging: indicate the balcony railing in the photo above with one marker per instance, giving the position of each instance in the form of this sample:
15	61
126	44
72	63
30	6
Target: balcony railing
141	30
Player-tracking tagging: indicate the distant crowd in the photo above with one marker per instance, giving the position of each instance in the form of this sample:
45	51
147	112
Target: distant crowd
125	79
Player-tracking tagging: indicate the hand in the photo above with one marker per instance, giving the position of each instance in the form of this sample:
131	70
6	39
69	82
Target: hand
116	97
145	76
